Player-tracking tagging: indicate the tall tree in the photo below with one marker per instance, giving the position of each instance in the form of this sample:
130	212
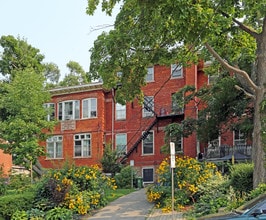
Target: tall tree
166	31
51	73
18	55
76	76
24	123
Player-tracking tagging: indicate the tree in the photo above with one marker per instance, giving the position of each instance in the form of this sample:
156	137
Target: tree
51	73
162	32
77	75
24	121
18	55
109	161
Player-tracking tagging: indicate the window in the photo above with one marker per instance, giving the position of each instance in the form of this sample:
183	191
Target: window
178	144
175	105
121	143
148	106
147	144
89	108
150	74
50	111
147	174
239	138
54	147
82	145
68	110
120	111
176	71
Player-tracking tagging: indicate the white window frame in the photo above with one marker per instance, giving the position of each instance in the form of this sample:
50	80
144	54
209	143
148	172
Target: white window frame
150	102
148	168
148	141
120	111
74	112
55	150
121	147
176	71
89	108
50	107
150	74
239	138
85	145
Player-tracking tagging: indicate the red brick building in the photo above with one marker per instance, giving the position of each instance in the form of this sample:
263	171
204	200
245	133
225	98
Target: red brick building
89	119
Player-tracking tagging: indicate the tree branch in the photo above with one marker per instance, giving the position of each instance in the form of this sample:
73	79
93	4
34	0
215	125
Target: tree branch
246	93
231	68
242	26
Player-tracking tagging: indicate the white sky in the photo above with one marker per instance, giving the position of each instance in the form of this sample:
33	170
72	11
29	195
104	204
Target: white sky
60	29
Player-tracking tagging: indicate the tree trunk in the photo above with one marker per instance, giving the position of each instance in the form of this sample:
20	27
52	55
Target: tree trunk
257	146
258	153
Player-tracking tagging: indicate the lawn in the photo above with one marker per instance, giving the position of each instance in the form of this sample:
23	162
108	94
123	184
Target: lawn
115	194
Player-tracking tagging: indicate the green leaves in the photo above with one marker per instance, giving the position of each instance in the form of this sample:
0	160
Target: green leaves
18	55
24	121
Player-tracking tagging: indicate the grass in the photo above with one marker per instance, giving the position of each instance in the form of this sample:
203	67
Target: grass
115	194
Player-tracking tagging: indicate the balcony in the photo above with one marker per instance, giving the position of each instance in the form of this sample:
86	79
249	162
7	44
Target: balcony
168	111
225	152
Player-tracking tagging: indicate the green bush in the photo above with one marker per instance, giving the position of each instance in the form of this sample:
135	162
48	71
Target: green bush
58	213
241	176
19	181
212	196
9	204
79	189
189	174
124	178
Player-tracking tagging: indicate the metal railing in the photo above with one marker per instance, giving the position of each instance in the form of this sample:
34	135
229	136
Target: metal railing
225	150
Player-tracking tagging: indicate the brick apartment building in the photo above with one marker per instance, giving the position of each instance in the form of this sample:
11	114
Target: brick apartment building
89	119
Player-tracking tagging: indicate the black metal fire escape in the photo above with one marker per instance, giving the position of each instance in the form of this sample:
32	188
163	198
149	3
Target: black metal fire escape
144	134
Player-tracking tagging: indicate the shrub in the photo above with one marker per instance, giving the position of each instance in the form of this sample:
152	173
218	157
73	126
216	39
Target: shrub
124	178
9	204
188	175
59	213
241	176
79	189
212	196
19	181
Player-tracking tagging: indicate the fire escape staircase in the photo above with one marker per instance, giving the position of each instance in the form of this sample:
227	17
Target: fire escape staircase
143	136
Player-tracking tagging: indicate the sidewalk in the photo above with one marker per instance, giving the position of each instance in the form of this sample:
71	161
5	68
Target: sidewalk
133	206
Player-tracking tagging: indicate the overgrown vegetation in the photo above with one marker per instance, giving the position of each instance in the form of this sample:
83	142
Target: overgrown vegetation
199	186
60	194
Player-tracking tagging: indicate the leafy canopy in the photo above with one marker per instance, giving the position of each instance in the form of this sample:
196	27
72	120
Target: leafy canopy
25	116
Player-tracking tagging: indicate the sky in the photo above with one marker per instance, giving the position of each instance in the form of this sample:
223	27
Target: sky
60	29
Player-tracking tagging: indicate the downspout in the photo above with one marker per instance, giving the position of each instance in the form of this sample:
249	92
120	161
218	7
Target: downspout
197	110
113	116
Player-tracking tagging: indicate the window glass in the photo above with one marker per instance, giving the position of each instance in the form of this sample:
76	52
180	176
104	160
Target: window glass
176	70
148	106
121	143
239	138
82	145
150	74
89	108
147	174
178	144
54	147
50	108
147	144
120	111
68	110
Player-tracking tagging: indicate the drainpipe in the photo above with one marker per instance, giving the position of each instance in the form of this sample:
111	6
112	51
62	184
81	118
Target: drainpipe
197	110
113	116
